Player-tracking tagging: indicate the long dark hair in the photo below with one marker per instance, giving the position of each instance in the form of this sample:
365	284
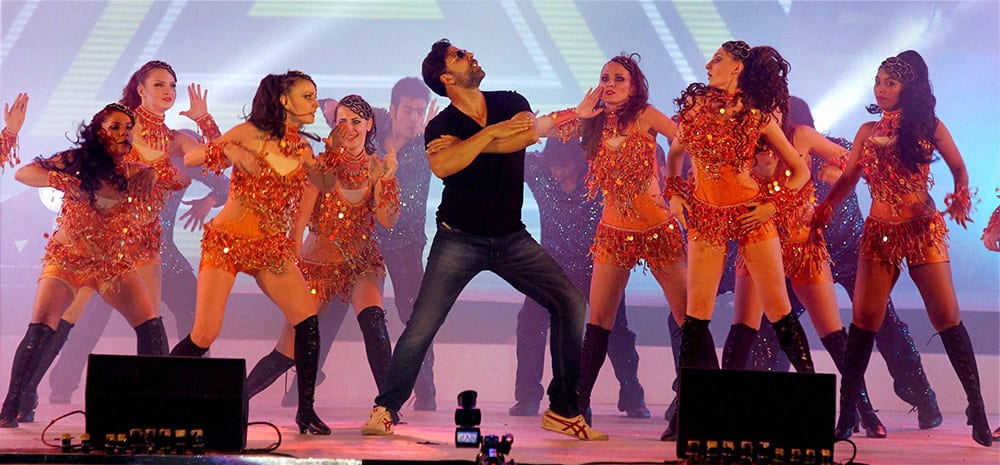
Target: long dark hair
592	128
266	112
130	96
916	104
90	161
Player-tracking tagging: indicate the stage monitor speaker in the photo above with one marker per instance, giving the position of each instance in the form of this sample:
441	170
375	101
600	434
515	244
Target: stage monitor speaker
783	411
126	392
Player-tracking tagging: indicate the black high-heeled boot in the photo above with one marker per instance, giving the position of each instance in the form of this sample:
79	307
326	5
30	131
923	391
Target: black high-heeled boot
330	320
675	350
29	392
306	366
792	339
836	345
26	360
625	360
856	356
766	353
151	338
595	350
187	348
266	371
958	346
697	351
903	361
736	350
377	344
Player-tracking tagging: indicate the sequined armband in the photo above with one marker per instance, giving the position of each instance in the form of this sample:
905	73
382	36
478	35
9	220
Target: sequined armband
961	199
8	149
840	161
389	198
215	160
209	130
676	186
994	224
61	181
780	196
566	123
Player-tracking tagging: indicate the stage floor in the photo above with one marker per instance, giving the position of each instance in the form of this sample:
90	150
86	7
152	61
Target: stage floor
427	437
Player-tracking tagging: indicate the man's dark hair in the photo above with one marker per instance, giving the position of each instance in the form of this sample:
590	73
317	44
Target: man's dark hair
434	66
410	87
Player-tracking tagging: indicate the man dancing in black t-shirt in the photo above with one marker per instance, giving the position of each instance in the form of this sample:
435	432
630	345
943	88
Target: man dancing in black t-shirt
476	146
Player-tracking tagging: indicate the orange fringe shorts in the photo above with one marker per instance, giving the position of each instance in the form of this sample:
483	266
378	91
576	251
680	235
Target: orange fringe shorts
655	247
919	241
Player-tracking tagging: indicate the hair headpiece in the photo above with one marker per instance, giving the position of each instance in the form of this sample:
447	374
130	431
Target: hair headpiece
737	48
119	107
628	61
898	69
357	105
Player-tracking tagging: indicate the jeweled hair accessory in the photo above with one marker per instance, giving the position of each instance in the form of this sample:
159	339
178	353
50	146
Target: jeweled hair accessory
898	69
358	105
737	48
119	107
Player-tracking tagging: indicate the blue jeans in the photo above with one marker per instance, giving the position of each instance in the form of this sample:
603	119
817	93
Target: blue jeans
455	258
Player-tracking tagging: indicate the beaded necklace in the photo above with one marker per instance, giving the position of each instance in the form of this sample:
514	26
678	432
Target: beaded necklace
156	134
353	169
292	145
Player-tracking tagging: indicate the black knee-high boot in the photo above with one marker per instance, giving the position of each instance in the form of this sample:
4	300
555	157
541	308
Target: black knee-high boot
766	353
675	350
187	348
26	359
736	350
793	341
266	371
856	357
697	351
625	360
958	346
836	345
903	361
306	366
151	338
595	350
377	343
29	393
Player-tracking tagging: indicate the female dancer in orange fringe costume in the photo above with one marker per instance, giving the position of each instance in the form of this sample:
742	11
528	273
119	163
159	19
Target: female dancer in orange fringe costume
894	154
251	232
720	124
94	246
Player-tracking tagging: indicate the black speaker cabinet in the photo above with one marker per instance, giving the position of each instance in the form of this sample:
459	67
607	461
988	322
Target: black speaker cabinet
779	410
126	392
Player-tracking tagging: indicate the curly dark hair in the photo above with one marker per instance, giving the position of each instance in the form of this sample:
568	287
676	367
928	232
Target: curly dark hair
762	86
592	128
917	119
362	108
764	80
130	96
266	112
90	161
434	65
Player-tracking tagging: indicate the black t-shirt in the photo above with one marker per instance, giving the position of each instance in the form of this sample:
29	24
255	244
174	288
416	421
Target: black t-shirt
485	197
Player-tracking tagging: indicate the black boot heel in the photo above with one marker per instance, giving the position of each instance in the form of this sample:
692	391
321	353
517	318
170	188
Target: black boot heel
309	422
